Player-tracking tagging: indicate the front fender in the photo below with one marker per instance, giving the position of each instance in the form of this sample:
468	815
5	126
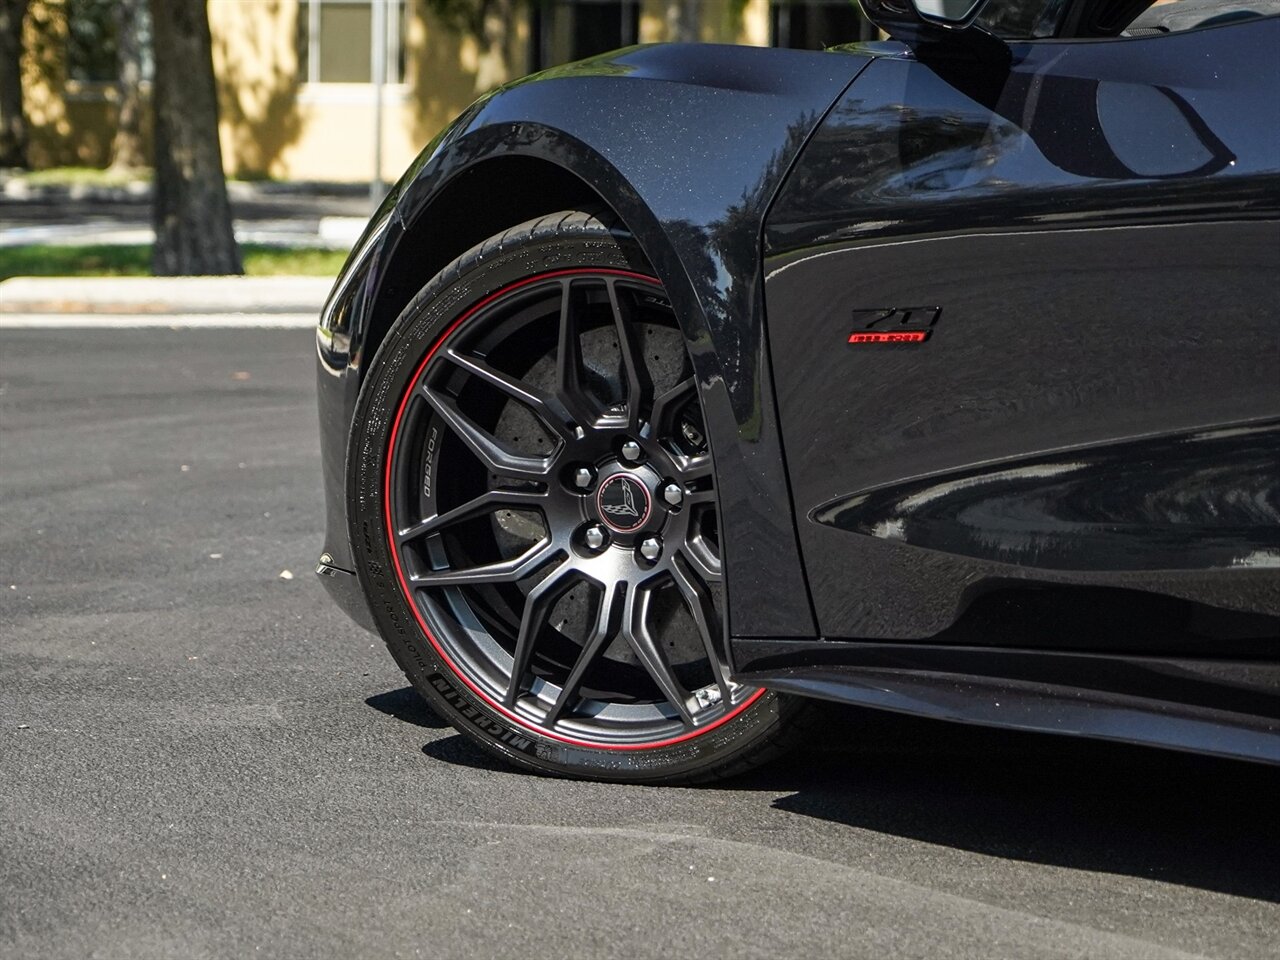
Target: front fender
688	144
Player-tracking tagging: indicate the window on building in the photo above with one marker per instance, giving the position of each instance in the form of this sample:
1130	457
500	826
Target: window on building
93	54
817	24
568	30
335	40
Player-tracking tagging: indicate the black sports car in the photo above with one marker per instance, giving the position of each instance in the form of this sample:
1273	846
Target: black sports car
674	388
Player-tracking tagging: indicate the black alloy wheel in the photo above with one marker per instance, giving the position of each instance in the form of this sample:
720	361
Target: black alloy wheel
535	493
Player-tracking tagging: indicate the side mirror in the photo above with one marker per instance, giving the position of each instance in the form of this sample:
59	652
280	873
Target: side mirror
915	21
953	14
950	23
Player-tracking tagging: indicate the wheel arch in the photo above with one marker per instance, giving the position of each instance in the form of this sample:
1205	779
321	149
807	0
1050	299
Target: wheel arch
480	202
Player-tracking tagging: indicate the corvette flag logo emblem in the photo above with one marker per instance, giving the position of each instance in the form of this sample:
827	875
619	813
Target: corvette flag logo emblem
623	502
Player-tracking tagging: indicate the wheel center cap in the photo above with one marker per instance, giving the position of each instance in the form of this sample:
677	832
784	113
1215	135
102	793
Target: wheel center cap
624	503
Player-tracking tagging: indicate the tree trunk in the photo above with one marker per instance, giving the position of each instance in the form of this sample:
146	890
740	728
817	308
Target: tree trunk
13	116
191	214
682	21
126	148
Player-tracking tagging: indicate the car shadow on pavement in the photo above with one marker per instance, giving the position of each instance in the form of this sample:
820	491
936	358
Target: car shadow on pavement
407	704
1081	804
1197	821
461	752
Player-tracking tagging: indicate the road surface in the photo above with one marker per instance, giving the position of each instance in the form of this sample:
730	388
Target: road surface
201	758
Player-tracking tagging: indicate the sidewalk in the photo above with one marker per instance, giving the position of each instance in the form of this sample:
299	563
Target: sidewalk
15	188
277	214
329	233
162	301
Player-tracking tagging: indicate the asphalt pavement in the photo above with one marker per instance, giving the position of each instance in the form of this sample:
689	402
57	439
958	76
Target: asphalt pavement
200	757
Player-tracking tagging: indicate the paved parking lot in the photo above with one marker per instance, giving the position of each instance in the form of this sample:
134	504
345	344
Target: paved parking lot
200	758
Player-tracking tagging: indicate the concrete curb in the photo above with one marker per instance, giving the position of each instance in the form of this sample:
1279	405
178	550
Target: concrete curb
164	296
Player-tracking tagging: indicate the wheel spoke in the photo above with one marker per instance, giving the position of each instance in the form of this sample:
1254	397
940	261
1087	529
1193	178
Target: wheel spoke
602	631
477	506
634	371
635	629
548	408
505	571
695	468
697	598
537	607
702	561
570	391
666	405
483	445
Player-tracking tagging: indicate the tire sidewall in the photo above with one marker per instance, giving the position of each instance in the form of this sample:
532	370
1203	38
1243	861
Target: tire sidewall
451	293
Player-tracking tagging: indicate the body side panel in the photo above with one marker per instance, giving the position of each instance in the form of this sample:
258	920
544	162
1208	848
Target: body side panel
1093	241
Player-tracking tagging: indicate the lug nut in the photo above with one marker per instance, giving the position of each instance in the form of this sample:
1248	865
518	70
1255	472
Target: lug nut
631	450
582	477
673	494
594	537
651	548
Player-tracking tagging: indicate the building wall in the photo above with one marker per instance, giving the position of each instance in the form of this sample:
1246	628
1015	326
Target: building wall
255	61
275	124
67	128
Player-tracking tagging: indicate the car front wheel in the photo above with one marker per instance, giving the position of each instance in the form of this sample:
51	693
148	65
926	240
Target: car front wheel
533	507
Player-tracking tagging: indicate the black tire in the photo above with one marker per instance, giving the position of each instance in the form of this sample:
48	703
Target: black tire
433	637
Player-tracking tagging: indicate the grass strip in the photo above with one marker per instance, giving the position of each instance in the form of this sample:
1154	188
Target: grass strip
107	260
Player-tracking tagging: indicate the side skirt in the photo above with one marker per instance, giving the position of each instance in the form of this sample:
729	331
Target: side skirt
1228	708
